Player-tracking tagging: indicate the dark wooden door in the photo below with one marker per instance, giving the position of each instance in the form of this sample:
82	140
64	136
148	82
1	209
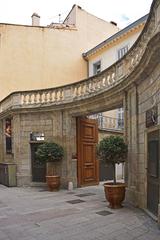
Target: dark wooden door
38	170
153	179
87	139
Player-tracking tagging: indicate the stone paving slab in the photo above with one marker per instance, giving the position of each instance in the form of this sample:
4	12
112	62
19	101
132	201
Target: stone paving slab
36	214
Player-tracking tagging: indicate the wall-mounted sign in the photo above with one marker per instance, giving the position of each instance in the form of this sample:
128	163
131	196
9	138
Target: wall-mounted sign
152	117
36	136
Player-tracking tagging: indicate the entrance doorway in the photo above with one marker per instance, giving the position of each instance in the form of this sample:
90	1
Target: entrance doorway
105	171
38	169
87	139
153	172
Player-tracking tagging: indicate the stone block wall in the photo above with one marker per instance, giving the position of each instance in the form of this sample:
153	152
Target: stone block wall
56	126
141	98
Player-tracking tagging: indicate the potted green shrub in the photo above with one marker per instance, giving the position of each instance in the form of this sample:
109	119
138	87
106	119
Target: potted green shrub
50	153
113	150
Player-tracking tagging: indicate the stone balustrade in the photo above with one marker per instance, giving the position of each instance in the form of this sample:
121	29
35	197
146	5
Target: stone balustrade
91	86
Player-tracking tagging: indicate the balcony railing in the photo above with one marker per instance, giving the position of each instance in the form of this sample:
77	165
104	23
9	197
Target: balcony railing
108	123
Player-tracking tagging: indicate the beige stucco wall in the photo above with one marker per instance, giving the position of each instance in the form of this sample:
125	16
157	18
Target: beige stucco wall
111	114
38	57
109	55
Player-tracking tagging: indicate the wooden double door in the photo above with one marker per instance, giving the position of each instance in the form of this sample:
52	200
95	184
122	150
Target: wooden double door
153	172
87	139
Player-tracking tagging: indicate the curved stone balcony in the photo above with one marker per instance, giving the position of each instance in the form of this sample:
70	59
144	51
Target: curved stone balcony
117	78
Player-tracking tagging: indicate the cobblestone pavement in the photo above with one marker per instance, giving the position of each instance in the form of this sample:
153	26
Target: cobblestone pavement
36	214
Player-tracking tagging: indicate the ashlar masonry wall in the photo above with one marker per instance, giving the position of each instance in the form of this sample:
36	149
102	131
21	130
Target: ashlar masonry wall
56	126
140	98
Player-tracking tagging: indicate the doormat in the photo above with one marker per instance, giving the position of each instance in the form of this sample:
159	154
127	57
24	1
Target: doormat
75	201
85	194
104	213
70	192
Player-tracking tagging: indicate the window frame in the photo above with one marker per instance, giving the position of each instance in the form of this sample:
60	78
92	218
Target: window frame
99	62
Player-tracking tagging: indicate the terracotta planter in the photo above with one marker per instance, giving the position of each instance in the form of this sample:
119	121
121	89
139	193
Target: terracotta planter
115	194
53	183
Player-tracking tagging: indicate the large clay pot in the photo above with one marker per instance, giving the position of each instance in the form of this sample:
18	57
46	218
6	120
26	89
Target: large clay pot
115	194
53	183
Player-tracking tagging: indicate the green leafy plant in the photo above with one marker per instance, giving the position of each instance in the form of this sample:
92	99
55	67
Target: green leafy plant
112	150
49	152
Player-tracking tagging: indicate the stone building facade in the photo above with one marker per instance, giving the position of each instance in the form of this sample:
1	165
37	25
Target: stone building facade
133	82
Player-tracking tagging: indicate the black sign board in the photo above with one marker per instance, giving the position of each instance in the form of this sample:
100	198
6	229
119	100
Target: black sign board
36	136
152	117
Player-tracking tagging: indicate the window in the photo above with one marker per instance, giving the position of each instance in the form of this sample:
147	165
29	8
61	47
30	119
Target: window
8	135
120	116
122	51
97	67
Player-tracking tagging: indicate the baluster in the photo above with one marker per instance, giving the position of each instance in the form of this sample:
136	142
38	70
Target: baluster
61	95
119	70
77	93
113	77
103	82
100	84
91	86
50	96
73	91
130	63
24	99
55	96
82	89
108	80
95	85
35	97
29	98
45	97
137	57
87	87
40	97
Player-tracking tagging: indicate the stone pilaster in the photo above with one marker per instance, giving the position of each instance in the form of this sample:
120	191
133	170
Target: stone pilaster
1	142
69	167
23	176
132	194
125	131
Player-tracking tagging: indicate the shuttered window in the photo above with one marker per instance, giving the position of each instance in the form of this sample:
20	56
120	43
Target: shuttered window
122	51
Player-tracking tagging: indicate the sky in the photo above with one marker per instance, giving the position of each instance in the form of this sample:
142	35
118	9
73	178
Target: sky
123	12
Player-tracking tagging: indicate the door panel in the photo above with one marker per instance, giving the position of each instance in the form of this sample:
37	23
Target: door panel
89	162
87	138
153	172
